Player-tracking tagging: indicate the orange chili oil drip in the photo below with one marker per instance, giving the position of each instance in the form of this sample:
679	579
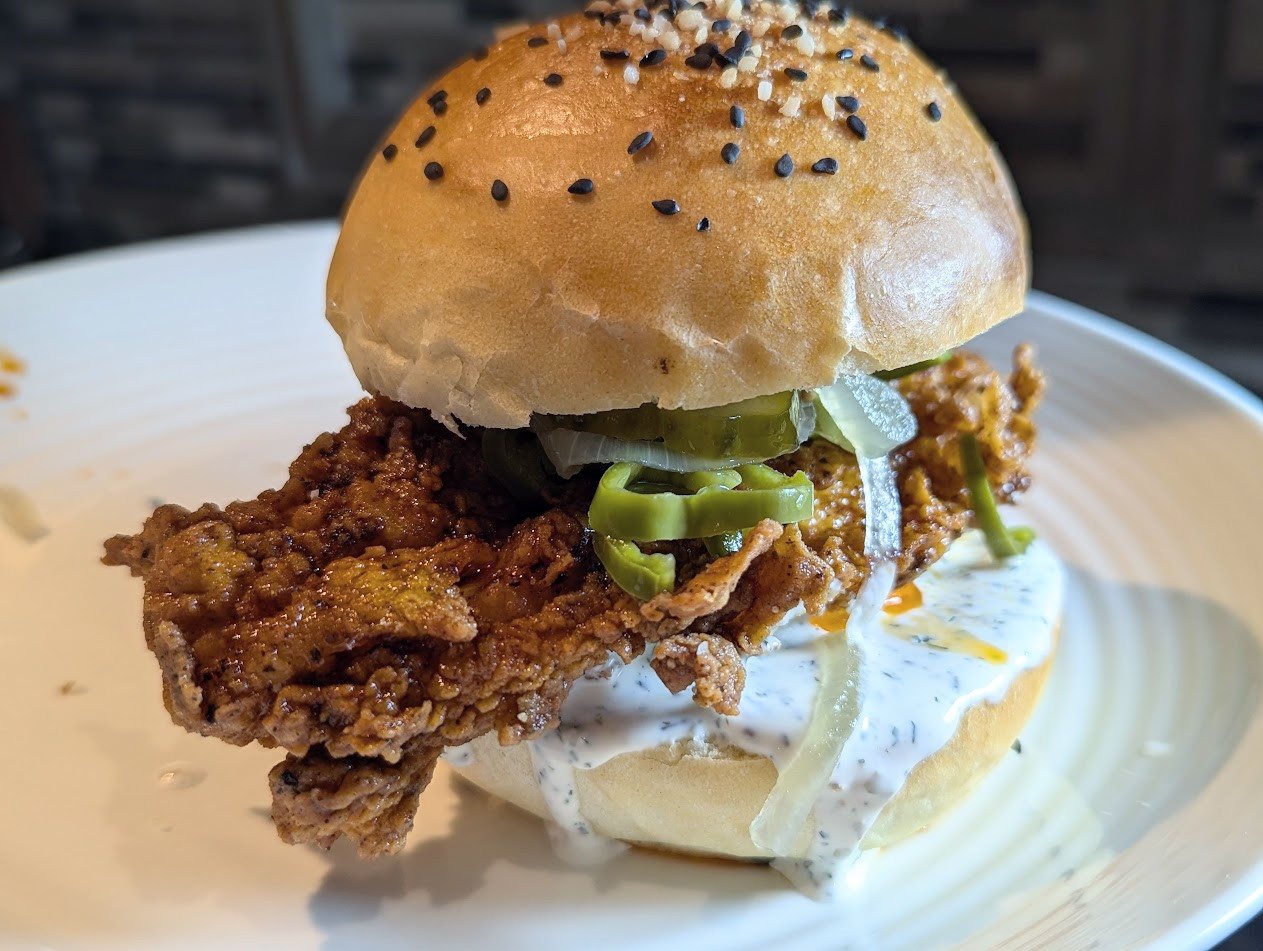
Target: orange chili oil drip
7	390
904	598
832	621
11	364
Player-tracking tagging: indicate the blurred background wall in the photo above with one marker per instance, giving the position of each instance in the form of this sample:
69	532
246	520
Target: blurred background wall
1134	129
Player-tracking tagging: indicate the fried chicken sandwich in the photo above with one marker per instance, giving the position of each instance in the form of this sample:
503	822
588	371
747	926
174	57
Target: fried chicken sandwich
671	514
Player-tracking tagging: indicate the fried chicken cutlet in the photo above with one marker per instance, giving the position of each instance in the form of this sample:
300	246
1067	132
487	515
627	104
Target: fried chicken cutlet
391	599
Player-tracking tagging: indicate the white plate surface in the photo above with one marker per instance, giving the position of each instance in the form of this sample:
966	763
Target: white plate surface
194	370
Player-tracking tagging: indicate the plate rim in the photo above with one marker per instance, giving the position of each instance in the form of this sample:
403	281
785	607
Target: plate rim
1223	912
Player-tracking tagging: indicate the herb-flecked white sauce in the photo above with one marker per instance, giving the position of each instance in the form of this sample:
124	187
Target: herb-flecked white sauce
981	624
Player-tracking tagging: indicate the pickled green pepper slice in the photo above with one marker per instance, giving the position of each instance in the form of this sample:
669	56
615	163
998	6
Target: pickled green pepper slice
639	574
638	504
1001	542
898	373
516	460
760	428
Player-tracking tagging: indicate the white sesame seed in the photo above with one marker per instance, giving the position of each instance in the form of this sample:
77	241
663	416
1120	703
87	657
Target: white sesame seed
637	28
760	28
756	50
561	45
670	41
829	105
734	10
554	31
700	36
632	75
689	19
765	90
806	45
788	13
728	78
792	106
599	6
748	64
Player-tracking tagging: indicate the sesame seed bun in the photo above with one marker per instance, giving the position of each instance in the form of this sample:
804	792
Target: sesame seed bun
702	798
682	272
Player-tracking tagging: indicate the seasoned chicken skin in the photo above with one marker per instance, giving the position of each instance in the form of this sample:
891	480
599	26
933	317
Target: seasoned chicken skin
391	599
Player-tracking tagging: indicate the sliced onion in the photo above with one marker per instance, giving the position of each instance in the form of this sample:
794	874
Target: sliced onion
839	700
569	451
872	414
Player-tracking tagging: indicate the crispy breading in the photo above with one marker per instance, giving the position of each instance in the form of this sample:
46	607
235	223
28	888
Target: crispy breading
392	599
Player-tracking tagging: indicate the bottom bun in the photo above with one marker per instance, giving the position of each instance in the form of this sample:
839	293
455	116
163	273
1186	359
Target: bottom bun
699	792
701	799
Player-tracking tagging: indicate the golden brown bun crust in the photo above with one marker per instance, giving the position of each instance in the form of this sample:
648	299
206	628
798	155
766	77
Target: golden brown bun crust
687	801
551	302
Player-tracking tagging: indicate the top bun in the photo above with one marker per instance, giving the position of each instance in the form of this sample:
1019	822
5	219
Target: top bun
472	280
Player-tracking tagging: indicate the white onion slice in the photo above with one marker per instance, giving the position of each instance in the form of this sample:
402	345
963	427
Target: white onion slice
569	451
871	413
838	700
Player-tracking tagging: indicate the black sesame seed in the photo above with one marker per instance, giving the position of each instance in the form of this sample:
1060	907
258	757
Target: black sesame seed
743	41
791	32
934	112
481	53
613	18
703	225
856	125
724	60
440	107
869	63
594	14
615	54
730	152
537	41
426	135
826	166
653	58
845	54
437	97
838	16
700	61
390	151
811	8
639	142
784	166
849	103
482	95
722	25
499	190
583	186
708	48
737	116
553	79
667	206
793	72
643	14
434	171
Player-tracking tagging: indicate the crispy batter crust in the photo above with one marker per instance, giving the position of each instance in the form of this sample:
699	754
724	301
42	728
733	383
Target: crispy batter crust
390	600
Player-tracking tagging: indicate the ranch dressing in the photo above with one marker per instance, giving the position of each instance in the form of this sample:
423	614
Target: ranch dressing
981	623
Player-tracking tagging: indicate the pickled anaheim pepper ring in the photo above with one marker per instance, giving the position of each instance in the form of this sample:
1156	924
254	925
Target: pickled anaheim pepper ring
634	503
1001	541
639	574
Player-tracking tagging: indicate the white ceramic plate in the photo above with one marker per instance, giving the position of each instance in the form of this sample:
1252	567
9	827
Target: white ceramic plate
194	370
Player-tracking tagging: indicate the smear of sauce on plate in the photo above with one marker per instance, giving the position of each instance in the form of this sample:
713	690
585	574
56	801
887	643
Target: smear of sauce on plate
10	365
